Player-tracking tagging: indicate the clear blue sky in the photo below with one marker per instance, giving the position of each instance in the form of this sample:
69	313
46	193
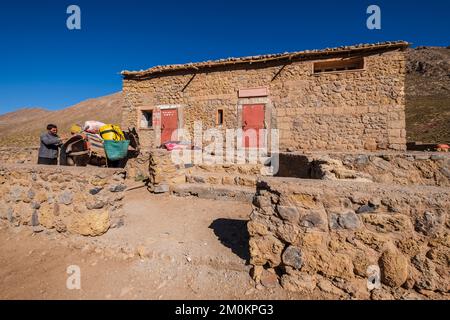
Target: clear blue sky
44	64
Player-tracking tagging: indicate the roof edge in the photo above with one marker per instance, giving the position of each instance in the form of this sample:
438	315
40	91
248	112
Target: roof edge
306	54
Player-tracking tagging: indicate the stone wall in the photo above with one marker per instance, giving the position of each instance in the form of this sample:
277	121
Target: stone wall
420	168
163	172
357	110
322	236
19	155
76	200
137	168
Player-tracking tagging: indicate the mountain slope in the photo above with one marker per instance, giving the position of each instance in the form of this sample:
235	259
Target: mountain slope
22	127
428	94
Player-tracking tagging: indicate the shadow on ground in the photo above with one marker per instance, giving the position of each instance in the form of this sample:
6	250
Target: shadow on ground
233	234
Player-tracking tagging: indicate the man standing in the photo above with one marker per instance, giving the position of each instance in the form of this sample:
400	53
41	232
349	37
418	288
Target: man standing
50	142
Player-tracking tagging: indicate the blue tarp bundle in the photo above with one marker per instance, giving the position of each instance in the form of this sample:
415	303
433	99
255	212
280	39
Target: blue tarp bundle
116	150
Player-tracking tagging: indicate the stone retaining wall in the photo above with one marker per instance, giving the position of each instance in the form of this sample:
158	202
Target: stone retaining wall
84	201
421	168
137	168
322	236
19	155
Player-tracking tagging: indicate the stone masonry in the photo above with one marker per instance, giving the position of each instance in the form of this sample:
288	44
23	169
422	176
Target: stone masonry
342	110
83	201
405	168
325	236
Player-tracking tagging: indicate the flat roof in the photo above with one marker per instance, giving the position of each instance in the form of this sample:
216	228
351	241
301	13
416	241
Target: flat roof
305	55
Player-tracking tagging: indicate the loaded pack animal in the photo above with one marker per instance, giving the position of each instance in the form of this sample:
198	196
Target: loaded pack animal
87	149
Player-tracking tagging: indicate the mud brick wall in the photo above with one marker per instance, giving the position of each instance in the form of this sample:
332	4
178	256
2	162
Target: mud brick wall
405	168
321	236
85	201
19	155
358	110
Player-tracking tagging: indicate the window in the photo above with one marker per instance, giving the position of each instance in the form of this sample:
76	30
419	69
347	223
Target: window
219	119
146	119
339	65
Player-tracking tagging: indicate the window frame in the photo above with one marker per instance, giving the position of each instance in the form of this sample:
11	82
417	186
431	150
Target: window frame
149	124
362	61
220	110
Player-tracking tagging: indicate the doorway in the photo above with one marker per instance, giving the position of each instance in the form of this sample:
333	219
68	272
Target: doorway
253	116
169	123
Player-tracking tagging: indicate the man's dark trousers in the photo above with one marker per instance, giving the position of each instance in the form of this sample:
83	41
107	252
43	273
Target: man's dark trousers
47	161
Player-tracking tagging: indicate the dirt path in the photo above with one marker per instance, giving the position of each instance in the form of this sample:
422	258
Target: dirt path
169	248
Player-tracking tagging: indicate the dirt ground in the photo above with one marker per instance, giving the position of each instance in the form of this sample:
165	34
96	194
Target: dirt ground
169	248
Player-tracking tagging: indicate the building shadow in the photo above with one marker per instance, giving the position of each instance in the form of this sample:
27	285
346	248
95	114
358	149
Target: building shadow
233	234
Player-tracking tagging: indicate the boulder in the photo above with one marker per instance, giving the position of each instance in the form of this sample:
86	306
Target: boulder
299	282
292	257
269	279
349	220
427	278
329	264
394	267
46	216
23	212
264	250
290	214
65	198
314	219
41	197
367	208
428	223
92	223
161	188
117	187
95	190
255	227
95	203
385	223
16	193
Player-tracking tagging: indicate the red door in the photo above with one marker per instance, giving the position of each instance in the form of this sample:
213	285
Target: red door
252	123
169	123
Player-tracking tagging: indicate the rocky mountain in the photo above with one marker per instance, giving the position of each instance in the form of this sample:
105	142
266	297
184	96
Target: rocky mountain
428	94
22	127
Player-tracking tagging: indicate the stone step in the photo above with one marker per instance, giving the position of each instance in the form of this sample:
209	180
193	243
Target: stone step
246	169
222	179
215	192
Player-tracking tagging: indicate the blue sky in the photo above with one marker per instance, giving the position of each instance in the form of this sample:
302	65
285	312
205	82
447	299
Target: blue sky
46	65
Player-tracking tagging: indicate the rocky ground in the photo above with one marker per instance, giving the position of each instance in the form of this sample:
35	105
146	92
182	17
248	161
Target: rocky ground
199	254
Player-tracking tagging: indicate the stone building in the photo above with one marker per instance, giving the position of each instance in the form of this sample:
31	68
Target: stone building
340	99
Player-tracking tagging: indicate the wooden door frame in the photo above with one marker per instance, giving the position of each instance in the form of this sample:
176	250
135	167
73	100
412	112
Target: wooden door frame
267	115
171	117
180	118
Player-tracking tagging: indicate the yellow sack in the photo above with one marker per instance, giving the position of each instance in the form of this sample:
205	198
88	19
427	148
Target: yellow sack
75	129
111	132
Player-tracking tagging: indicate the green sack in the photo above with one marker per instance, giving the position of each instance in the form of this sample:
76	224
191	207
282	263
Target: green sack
116	150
